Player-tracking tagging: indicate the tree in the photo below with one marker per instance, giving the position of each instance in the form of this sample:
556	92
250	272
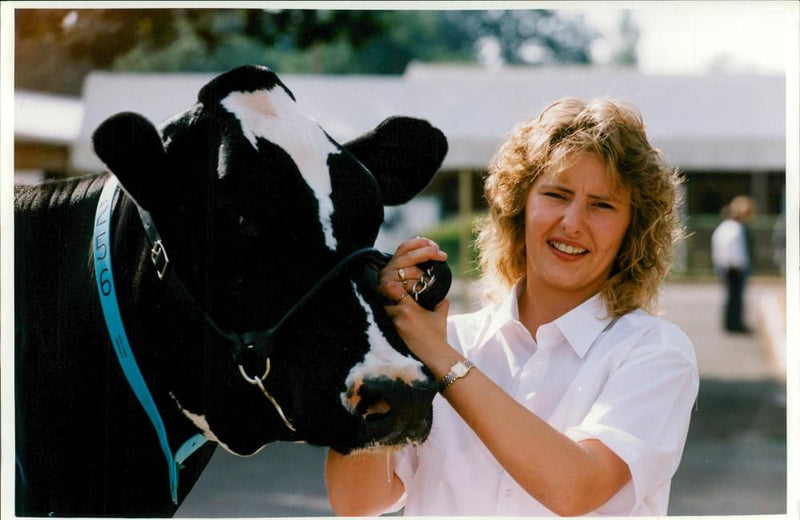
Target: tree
75	41
50	40
530	36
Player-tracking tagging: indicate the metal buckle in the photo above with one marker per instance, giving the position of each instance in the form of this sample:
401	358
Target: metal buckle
158	255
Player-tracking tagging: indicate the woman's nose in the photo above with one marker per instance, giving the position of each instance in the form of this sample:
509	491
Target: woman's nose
573	219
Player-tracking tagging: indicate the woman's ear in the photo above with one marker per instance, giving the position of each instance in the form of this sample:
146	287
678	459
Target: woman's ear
403	154
131	147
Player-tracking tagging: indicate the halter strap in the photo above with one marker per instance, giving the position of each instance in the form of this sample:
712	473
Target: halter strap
258	343
107	291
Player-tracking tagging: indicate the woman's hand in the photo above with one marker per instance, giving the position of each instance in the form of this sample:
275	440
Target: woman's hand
398	277
425	332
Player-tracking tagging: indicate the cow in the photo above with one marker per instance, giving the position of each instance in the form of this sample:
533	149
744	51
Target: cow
225	257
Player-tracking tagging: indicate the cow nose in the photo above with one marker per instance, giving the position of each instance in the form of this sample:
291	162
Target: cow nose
391	405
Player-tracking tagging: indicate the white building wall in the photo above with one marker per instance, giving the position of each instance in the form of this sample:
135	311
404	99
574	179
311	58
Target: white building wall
721	122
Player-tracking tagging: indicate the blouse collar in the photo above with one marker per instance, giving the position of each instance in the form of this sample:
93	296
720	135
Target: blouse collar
579	327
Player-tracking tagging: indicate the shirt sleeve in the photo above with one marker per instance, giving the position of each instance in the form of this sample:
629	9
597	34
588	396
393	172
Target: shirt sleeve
643	411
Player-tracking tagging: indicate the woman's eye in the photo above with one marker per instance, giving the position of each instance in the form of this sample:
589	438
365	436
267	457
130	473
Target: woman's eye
604	205
554	195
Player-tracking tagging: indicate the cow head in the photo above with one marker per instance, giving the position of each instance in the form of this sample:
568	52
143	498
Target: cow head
255	203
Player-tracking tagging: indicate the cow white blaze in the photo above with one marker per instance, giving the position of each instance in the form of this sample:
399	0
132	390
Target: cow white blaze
381	360
273	115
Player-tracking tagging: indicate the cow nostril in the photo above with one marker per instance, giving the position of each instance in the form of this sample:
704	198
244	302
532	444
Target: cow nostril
378	410
372	406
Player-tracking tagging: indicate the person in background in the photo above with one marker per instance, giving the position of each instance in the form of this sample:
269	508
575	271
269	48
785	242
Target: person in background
731	255
564	394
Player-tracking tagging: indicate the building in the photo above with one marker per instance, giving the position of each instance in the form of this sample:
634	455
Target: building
725	132
45	128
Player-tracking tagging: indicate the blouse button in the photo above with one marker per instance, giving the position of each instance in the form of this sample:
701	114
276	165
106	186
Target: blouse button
507	492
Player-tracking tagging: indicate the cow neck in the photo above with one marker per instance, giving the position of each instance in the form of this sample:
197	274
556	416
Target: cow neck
248	348
251	350
107	291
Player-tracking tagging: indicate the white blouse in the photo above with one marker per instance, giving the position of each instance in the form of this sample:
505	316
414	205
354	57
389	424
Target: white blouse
630	383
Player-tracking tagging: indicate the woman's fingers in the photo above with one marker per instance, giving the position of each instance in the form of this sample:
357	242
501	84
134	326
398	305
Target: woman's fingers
414	243
398	278
409	254
394	282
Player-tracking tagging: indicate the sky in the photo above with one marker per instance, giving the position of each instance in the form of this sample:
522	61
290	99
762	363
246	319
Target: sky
697	37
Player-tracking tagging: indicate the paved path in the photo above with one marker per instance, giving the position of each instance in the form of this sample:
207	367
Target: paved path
735	458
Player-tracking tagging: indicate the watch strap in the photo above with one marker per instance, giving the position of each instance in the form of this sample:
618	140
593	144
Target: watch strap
457	371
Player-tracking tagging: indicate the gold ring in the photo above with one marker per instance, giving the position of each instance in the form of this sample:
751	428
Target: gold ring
401	274
401	299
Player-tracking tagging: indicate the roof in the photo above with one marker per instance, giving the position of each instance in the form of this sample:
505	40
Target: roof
714	122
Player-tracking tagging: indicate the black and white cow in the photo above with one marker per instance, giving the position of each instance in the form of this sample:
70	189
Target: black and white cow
257	210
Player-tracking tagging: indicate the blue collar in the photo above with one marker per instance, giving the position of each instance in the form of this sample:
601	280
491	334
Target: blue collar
116	330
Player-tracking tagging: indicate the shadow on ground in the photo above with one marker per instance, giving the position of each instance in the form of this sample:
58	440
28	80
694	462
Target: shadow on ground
735	456
283	480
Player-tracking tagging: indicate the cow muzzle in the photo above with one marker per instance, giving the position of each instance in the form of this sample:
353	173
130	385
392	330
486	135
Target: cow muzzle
391	411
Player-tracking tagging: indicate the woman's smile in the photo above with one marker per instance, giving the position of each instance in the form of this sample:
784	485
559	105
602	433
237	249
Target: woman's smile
567	249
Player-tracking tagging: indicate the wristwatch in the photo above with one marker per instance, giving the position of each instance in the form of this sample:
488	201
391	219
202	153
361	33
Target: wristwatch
457	371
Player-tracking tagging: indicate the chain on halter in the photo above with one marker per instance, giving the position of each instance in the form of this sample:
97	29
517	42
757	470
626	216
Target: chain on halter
426	280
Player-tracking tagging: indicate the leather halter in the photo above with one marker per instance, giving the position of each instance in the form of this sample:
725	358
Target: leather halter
254	344
249	347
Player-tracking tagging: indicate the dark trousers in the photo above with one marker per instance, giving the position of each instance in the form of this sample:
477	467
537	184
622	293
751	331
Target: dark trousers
734	301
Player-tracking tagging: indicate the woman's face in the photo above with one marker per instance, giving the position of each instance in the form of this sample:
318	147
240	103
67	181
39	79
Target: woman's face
575	222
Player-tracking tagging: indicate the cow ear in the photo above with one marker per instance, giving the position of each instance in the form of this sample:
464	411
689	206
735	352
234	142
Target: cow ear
131	147
402	153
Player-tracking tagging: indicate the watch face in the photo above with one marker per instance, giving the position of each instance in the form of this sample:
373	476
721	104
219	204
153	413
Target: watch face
460	369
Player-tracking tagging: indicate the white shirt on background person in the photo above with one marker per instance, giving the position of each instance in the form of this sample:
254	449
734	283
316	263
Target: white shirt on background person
729	246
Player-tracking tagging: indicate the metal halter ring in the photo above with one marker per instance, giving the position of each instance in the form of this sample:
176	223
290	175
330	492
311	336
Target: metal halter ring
253	380
260	384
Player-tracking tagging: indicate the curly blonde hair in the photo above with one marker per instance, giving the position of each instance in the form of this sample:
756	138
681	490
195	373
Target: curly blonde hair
615	131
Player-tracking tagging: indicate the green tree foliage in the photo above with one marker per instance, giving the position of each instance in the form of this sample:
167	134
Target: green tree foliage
56	47
527	36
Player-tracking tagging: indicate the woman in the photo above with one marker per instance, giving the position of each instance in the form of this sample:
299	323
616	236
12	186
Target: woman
579	400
